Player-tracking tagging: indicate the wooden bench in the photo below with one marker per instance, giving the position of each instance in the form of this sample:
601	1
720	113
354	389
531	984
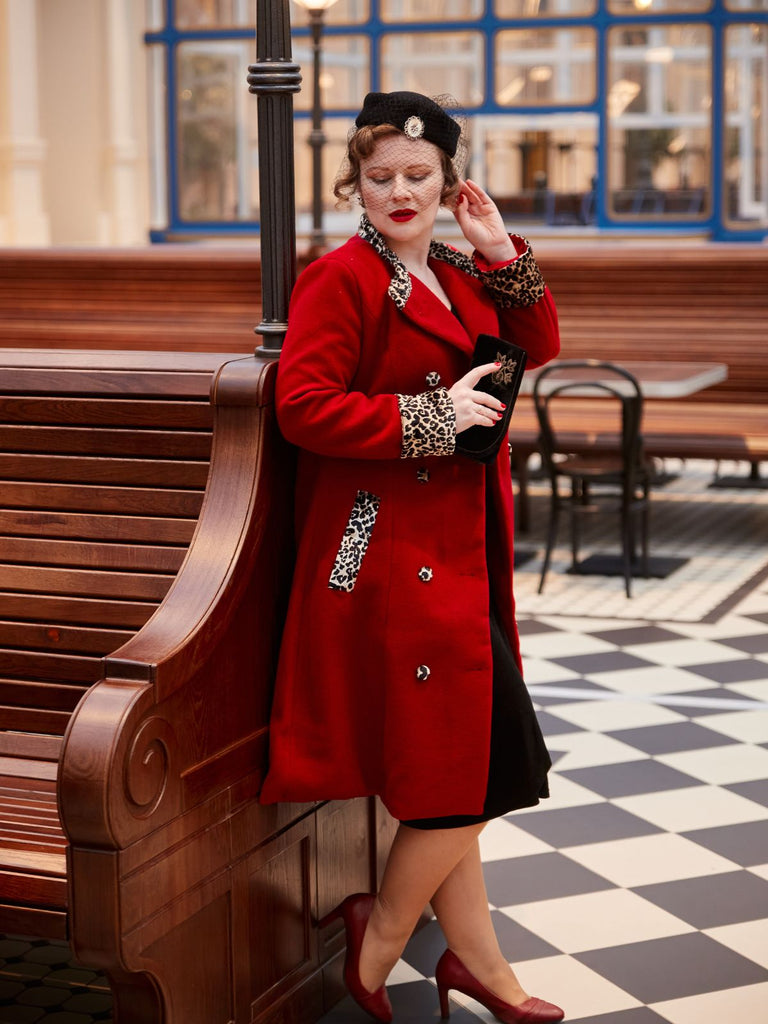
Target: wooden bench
144	566
624	303
175	297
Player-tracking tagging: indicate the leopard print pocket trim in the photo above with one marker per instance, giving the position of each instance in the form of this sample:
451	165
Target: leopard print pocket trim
519	283
429	424
354	543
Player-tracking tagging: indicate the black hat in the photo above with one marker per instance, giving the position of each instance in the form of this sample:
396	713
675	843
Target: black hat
417	116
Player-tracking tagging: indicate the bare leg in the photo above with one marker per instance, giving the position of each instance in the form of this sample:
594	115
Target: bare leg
419	863
461	906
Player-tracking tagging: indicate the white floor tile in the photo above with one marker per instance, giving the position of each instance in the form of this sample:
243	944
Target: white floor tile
685	652
646	860
565	793
757	689
729	1006
681	810
655	679
749	938
537	670
610	715
597	920
721	766
747	726
586	749
761	870
501	840
580	991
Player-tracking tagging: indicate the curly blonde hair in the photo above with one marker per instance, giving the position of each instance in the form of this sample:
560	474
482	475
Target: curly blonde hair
361	145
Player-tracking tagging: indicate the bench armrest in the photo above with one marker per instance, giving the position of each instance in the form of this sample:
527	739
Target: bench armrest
182	711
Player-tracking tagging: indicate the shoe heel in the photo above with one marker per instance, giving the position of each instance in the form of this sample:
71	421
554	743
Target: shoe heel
445	1006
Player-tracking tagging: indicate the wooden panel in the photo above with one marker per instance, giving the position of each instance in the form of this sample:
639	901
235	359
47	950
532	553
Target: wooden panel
118	412
45	922
167	444
58	610
82	583
24	693
26	720
127	529
138	557
55	381
139	472
34	890
46	748
125	500
71	639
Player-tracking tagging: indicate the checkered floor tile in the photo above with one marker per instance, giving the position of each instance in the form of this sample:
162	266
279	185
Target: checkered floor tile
638	894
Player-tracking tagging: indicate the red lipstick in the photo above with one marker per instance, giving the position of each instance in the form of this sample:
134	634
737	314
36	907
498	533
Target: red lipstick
401	216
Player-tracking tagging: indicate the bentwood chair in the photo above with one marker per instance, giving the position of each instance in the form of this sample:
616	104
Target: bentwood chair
609	477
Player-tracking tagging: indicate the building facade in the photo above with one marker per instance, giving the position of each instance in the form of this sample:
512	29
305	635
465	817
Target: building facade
123	120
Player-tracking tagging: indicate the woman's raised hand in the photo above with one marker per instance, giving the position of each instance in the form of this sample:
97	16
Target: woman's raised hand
482	224
475	408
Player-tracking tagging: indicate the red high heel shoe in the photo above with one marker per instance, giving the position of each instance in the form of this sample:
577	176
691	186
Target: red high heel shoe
451	973
355	911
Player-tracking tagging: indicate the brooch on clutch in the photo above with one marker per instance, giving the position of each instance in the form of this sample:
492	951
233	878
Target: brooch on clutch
505	375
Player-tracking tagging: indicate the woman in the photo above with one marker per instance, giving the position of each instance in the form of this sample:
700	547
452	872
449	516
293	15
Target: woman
399	668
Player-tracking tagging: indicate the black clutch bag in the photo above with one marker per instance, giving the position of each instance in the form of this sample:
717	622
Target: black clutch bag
482	443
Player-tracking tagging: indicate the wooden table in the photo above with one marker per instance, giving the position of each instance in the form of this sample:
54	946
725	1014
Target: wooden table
656	379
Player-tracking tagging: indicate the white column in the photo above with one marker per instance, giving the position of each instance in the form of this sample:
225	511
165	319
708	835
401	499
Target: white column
23	218
123	217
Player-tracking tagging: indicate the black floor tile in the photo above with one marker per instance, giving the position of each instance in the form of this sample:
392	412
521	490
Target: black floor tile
756	790
671	738
590	823
629	635
630	778
673	967
708	902
637	1015
755	643
693	710
603	661
743	670
517	943
531	627
425	948
551	725
745	844
540	877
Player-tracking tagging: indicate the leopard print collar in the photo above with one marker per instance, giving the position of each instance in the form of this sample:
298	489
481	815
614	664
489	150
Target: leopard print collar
401	285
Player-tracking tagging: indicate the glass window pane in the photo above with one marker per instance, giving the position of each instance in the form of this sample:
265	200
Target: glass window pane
215	13
638	8
216	133
549	8
546	65
343	12
659	113
430	10
746	126
344	76
747	5
158	136
339	223
539	169
435	63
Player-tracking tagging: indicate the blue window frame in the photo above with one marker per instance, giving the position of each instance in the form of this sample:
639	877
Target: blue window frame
607	116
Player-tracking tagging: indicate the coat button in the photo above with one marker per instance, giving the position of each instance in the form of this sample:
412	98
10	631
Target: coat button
422	475
422	673
433	378
425	574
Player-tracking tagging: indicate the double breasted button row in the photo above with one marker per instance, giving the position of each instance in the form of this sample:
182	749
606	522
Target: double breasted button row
425	574
422	475
433	378
422	673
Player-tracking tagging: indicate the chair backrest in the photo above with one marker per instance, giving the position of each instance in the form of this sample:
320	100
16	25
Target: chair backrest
579	377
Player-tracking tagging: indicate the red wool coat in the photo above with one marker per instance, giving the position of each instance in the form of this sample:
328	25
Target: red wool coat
385	674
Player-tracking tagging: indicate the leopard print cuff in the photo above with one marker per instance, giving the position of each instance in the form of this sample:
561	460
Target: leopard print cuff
429	424
519	283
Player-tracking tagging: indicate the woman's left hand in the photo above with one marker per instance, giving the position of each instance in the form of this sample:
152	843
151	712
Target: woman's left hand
482	225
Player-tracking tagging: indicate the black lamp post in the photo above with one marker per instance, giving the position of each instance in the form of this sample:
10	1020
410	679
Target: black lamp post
317	140
274	78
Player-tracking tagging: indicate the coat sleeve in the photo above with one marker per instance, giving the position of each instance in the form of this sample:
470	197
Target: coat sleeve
317	406
527	312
